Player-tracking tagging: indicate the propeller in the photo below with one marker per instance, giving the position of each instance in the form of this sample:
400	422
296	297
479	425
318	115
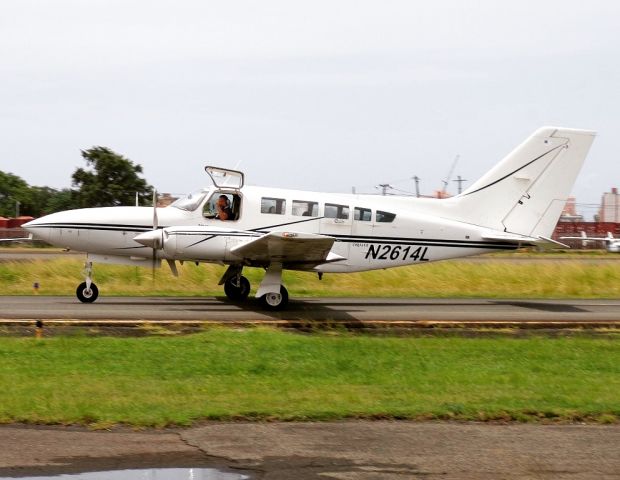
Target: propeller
154	239
156	244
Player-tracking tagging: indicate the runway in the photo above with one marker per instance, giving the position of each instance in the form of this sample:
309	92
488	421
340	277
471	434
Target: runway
395	312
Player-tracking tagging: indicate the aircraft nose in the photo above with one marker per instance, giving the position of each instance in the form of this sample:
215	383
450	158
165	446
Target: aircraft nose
38	228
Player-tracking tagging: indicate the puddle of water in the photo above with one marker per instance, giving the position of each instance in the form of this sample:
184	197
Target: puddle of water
146	474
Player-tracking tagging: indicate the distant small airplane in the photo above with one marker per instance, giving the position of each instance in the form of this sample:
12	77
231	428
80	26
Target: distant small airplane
517	203
612	244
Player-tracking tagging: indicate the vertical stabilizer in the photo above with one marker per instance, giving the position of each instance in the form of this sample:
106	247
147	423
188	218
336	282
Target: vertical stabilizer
526	192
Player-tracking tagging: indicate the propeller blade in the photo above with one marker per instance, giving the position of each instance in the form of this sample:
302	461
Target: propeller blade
153	263
155	219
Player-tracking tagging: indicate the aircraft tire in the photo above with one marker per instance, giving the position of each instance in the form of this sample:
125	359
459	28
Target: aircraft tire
273	301
85	295
237	293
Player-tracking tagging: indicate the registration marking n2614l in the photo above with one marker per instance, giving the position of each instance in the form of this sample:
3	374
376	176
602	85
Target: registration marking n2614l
397	252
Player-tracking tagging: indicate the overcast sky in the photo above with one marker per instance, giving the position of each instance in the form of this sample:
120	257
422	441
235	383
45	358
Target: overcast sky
313	95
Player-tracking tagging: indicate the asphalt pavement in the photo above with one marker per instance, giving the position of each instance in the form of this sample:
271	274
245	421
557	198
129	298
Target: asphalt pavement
361	450
410	312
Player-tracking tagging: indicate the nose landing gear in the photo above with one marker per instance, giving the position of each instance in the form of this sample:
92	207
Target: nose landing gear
87	291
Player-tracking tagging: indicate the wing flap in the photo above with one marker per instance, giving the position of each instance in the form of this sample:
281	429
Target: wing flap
286	248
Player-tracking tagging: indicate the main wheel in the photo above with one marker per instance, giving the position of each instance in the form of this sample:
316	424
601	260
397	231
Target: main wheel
85	294
275	301
237	292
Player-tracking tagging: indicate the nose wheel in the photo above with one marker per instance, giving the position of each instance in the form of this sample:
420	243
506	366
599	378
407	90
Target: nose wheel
86	294
87	291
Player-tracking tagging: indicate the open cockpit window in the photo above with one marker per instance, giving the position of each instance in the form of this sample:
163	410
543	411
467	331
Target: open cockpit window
190	202
222	205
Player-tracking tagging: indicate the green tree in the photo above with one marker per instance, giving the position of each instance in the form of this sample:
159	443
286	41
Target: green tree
65	199
109	180
14	189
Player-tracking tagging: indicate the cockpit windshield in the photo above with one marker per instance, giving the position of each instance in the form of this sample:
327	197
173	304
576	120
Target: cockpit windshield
190	202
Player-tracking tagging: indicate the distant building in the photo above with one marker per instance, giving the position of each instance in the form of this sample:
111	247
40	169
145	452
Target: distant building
610	207
569	214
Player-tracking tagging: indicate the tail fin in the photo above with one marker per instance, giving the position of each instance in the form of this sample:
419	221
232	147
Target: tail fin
526	192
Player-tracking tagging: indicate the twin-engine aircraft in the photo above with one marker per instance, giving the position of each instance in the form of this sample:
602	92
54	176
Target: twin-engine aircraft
612	245
517	203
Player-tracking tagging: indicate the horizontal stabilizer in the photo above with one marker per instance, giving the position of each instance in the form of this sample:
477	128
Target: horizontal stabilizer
521	239
22	239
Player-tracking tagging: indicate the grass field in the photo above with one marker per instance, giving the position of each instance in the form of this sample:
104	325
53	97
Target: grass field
496	279
267	374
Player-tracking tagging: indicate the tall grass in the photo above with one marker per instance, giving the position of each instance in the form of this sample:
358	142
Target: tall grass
532	279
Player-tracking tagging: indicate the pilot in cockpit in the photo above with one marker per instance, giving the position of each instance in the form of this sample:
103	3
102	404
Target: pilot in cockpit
224	212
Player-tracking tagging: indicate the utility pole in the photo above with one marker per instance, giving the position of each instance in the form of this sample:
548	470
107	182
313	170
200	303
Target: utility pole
17	204
460	182
449	176
416	179
384	187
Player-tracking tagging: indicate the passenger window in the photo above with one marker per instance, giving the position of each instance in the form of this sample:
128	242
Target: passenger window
336	211
385	217
302	208
229	203
272	205
362	214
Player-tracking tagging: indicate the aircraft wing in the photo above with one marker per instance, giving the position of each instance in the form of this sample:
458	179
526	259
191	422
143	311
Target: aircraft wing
22	239
602	239
288	248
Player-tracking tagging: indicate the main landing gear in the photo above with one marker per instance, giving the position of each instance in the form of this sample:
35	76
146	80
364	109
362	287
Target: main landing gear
271	293
87	291
237	288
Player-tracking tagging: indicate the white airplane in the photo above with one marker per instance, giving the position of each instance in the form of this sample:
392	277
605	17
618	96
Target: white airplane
517	203
612	244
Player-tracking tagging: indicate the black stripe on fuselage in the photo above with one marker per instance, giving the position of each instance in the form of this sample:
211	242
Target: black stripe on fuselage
98	226
254	233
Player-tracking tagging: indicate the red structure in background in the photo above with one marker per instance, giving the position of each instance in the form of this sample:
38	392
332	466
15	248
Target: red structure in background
12	227
592	229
